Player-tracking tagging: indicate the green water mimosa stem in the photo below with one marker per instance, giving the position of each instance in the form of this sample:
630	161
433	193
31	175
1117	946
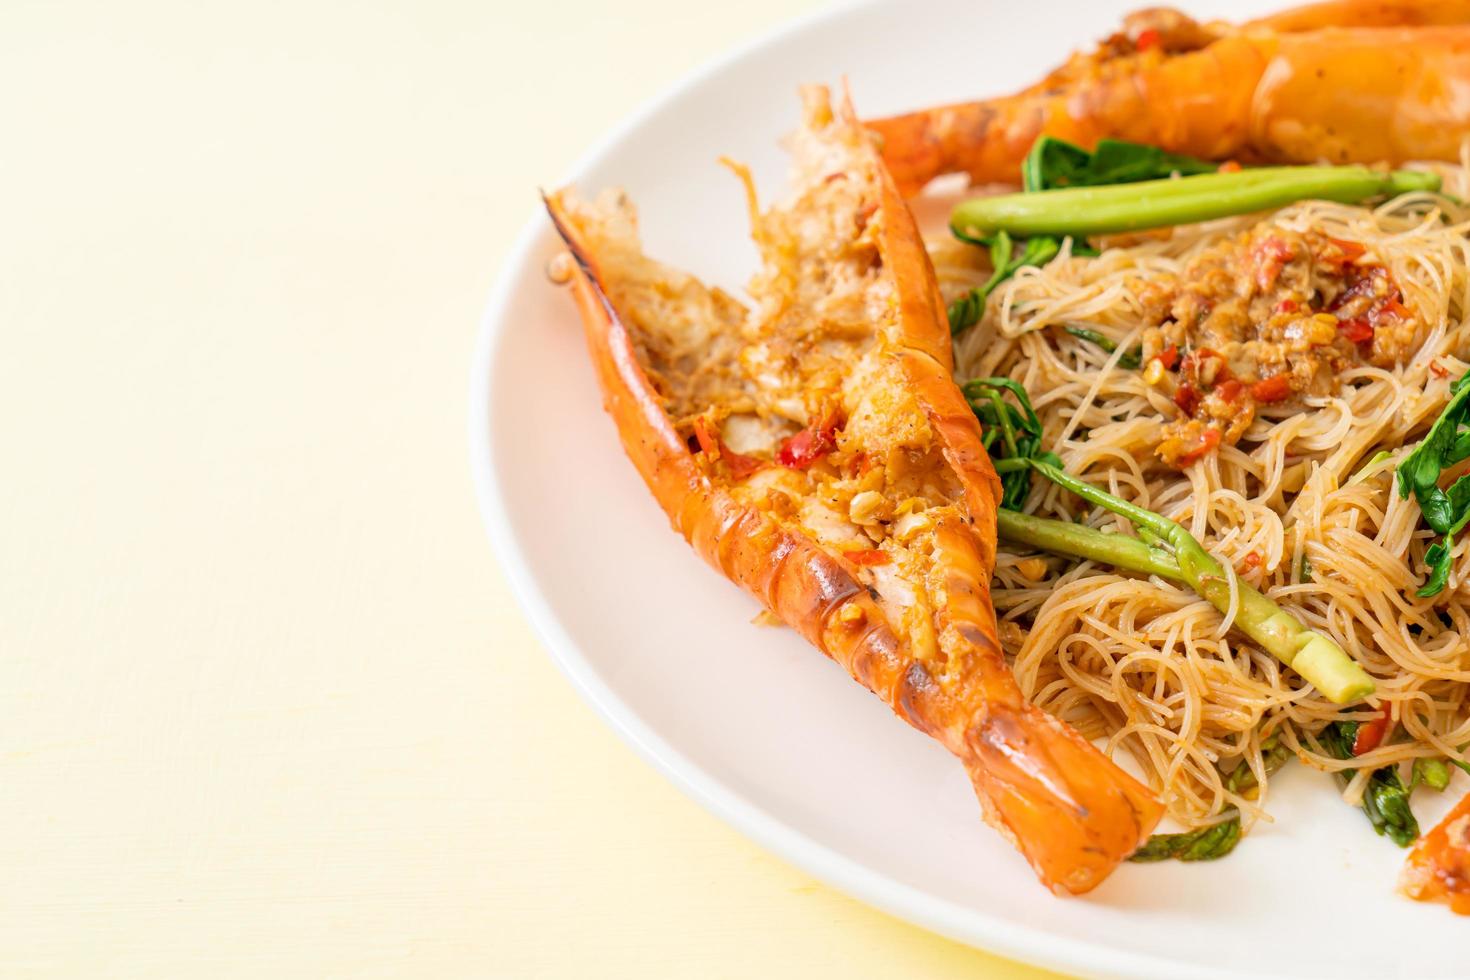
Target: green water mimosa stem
1311	654
1081	211
1081	541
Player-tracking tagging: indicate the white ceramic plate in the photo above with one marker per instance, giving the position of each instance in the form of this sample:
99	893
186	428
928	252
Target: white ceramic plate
759	727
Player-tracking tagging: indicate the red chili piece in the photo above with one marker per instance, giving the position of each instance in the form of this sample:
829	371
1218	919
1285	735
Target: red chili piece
1273	389
1358	330
1207	442
1351	251
1270	256
739	464
1186	398
809	445
1370	733
1384	303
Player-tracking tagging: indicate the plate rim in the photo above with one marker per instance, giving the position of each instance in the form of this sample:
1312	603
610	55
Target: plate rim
964	924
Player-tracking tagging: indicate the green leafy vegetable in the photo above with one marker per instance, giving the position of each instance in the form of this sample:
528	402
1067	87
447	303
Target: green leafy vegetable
1013	438
1057	163
1337	739
1205	844
1131	359
1017	429
1385	798
966	311
1446	512
1083	211
1440	560
1446	443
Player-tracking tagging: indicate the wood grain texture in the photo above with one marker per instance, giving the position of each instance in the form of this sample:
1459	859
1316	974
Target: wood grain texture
268	708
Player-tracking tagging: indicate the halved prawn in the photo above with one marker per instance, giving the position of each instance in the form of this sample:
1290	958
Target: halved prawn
816	450
1392	84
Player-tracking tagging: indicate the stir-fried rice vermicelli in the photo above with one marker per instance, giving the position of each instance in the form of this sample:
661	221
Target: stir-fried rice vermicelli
1303	506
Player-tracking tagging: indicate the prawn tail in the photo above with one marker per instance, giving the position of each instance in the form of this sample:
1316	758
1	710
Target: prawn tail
1069	809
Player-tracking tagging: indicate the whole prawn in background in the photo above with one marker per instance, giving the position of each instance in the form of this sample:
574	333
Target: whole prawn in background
1355	81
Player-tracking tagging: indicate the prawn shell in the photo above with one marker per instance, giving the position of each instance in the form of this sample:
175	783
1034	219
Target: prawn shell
1365	13
1383	82
1071	811
789	573
1438	868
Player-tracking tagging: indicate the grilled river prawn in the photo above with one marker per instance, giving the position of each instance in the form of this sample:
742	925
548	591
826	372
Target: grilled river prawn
1363	81
816	450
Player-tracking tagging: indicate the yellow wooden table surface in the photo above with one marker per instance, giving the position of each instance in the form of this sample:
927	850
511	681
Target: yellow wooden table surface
266	706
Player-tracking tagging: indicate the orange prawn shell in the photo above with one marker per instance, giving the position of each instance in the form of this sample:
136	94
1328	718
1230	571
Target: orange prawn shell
705	514
928	365
1352	81
1438	868
1071	812
798	581
1366	13
1359	94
